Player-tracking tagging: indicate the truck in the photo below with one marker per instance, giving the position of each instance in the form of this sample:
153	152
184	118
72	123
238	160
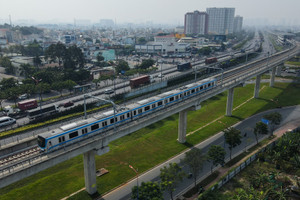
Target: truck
142	80
210	60
27	104
20	111
184	66
42	112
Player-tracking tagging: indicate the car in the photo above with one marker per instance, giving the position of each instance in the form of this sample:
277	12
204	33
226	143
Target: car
108	91
23	96
68	104
160	75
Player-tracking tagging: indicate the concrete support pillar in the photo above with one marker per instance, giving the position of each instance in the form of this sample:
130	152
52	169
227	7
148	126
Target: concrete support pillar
278	71
229	102
272	78
257	85
90	172
182	123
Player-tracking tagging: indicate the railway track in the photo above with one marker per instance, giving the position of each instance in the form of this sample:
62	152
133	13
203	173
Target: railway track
18	156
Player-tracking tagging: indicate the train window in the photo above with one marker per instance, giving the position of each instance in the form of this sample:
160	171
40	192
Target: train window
116	119
176	97
201	87
140	111
185	94
172	99
180	95
94	127
159	103
84	131
166	101
134	112
112	120
209	85
41	141
104	123
153	105
128	115
193	90
122	117
74	134
147	108
61	139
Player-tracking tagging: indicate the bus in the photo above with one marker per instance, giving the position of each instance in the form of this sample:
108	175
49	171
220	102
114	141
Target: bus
45	111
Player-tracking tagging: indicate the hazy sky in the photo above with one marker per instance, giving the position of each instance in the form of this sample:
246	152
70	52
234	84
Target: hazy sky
137	11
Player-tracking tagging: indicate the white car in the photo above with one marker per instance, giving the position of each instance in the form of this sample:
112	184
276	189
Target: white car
108	91
160	75
23	96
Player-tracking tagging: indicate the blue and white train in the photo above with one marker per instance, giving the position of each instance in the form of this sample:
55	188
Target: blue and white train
98	124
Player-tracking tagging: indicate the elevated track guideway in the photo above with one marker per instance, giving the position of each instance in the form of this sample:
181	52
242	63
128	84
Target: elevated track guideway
29	162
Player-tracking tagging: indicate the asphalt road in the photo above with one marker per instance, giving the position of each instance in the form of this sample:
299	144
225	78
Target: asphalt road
246	126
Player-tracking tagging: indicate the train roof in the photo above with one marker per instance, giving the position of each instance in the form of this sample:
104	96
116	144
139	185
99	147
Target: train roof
146	101
73	125
166	94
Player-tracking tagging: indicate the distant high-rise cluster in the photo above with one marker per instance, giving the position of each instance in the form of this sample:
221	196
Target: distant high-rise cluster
217	21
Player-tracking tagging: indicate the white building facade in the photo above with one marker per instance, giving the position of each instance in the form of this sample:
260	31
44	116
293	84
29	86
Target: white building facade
220	20
237	24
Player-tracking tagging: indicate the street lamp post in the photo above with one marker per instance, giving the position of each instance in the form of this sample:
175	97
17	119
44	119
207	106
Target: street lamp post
37	83
137	180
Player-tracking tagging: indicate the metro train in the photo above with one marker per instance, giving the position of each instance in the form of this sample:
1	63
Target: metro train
98	124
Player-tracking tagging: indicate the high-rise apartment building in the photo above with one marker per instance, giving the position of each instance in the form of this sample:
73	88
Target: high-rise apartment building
220	20
237	24
195	23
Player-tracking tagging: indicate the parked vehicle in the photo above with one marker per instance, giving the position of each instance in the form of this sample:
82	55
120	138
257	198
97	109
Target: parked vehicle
142	80
45	111
210	60
184	66
23	96
5	121
109	91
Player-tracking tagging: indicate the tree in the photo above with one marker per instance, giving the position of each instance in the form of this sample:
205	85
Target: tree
59	86
27	89
7	83
216	155
37	61
195	160
232	138
142	40
6	63
69	84
170	177
56	52
146	64
122	66
204	51
13	93
274	118
260	128
147	191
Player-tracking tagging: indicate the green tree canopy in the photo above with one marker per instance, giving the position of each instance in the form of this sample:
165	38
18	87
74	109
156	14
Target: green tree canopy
122	66
232	138
195	160
260	128
170	177
147	191
274	119
216	154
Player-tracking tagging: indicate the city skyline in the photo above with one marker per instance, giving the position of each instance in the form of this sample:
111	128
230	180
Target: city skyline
133	11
